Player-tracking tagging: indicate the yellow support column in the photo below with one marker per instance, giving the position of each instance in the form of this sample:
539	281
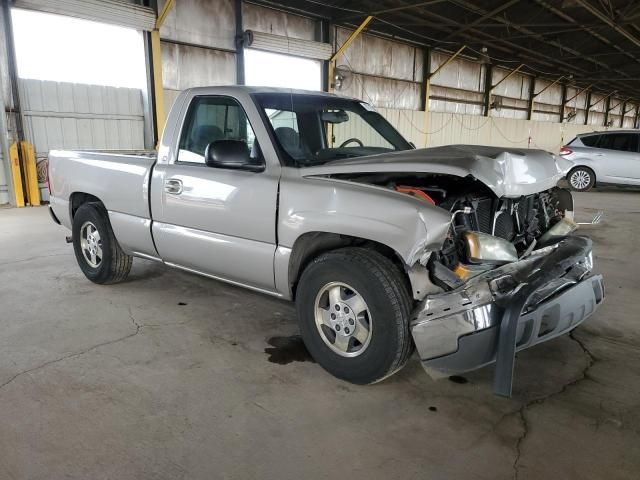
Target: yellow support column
158	90
156	58
16	174
332	65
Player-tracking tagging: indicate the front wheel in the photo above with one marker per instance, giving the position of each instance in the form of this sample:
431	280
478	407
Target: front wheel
353	310
98	253
581	179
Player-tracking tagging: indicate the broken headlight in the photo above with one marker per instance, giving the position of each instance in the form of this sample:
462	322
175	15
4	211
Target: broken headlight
484	248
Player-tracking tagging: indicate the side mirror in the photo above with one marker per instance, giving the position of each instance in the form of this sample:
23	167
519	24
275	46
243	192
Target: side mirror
230	154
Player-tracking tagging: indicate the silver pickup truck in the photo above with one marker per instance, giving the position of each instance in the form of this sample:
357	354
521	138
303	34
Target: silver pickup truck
462	251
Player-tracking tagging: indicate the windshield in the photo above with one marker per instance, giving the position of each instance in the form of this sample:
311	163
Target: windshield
315	129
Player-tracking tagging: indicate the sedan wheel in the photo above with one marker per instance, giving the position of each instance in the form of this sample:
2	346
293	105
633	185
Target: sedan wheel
581	179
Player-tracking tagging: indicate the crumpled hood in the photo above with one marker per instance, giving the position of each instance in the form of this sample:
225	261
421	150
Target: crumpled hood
509	172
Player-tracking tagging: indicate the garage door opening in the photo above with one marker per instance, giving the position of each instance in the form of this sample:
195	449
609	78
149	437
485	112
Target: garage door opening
266	69
66	49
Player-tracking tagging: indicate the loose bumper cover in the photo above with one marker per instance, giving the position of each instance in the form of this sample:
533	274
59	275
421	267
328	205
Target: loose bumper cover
506	310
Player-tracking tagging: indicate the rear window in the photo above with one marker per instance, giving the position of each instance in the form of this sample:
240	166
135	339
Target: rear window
625	142
590	141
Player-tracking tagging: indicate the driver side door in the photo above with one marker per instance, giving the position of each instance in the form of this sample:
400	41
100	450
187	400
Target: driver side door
216	221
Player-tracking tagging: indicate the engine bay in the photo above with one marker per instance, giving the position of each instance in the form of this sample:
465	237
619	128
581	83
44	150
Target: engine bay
521	221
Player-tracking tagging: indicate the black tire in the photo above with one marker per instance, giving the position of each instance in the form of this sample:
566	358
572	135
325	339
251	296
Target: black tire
383	288
114	266
585	173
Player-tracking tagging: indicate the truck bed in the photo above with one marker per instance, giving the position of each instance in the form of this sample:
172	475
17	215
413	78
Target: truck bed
120	179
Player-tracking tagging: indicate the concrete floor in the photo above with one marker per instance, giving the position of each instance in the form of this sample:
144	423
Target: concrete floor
166	377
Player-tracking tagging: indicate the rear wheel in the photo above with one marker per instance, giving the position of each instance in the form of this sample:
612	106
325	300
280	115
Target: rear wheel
353	310
97	251
581	179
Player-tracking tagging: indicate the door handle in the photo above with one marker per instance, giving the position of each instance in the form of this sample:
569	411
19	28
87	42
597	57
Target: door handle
173	186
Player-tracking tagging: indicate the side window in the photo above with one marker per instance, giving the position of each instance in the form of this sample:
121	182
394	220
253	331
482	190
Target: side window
210	119
589	141
625	142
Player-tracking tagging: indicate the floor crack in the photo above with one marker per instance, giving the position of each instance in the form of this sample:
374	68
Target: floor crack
75	354
540	400
521	439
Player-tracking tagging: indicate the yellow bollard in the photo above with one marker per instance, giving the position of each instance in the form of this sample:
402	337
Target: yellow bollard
30	173
25	175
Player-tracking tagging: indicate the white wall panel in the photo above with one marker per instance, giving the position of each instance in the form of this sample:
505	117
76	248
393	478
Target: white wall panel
210	23
381	92
551	96
268	20
76	116
184	66
516	86
459	73
72	116
441	128
378	56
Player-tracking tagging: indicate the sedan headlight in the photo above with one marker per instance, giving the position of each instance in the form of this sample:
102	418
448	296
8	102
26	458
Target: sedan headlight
484	248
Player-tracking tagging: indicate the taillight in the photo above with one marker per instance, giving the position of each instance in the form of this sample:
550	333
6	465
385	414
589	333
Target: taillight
565	151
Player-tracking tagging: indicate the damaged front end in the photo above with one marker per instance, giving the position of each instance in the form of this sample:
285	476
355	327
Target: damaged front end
507	309
510	276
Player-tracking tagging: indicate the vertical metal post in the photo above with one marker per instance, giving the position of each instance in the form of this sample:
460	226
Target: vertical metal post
148	100
624	111
5	173
426	68
17	110
240	80
588	106
324	36
607	109
532	96
488	82
563	101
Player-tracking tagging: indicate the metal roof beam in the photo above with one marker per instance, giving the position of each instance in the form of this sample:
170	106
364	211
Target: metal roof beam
484	17
609	21
589	30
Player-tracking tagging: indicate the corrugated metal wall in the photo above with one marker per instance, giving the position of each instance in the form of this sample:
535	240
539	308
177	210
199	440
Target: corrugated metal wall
198	46
62	115
382	72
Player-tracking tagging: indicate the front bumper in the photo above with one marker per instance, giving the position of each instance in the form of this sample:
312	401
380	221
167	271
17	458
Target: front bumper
536	299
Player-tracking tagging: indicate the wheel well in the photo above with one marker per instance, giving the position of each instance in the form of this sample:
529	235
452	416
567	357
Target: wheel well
77	199
312	244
